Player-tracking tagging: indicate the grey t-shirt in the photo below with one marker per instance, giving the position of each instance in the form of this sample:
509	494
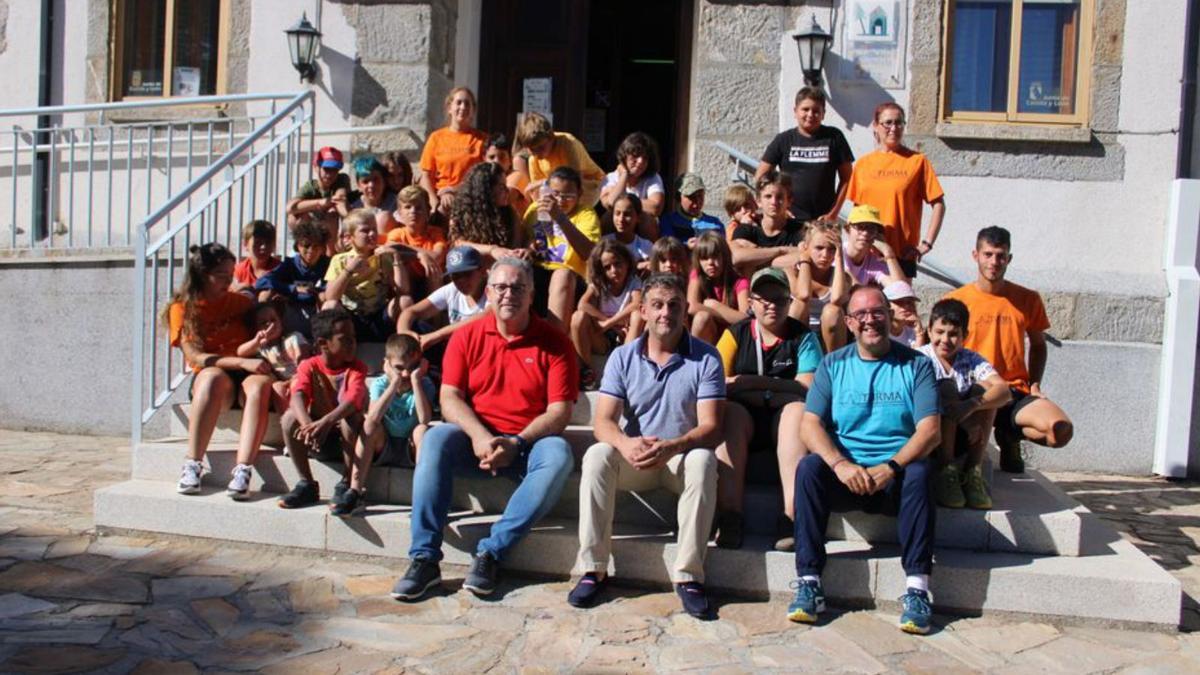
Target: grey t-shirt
662	401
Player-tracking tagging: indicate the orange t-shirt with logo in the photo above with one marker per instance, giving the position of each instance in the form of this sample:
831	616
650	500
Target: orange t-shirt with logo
449	154
899	184
222	324
999	324
433	240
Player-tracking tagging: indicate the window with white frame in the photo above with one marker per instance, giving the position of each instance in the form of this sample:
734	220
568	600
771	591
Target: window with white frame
1017	61
169	48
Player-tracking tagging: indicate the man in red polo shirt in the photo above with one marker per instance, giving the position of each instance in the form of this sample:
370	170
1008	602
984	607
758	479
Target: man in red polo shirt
509	382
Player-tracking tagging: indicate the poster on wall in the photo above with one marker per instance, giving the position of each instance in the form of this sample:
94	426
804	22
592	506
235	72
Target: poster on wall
536	96
874	43
185	82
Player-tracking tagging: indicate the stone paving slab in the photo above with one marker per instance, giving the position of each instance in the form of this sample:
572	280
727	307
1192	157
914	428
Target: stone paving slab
527	626
1031	516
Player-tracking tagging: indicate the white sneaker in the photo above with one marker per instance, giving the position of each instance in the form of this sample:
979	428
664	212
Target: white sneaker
189	478
239	487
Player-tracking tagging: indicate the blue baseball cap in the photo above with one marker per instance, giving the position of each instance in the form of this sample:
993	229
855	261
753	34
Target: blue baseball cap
462	259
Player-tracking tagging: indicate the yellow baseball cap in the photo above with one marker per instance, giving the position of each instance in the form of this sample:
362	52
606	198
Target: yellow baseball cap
865	213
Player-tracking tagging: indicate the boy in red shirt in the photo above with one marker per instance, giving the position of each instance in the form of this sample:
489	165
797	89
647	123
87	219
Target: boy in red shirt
328	391
258	242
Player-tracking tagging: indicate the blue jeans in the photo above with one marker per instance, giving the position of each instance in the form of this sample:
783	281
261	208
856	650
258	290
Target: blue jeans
818	491
540	473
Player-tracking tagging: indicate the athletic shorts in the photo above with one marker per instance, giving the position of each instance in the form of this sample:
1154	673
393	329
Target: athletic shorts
1007	416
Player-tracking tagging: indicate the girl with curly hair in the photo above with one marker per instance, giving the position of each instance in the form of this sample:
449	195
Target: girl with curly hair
482	217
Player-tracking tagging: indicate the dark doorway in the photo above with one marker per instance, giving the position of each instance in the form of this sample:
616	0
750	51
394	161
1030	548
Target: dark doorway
616	66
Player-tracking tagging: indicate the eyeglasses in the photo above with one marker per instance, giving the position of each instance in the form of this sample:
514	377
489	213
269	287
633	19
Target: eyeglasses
564	195
890	124
516	290
872	314
778	302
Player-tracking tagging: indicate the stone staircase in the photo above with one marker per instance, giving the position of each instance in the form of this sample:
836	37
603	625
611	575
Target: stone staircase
1036	552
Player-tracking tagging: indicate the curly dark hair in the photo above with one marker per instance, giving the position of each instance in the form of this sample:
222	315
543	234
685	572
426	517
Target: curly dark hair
475	215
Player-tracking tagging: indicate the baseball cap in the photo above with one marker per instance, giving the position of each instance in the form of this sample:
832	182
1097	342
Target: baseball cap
690	183
329	158
769	275
865	213
462	259
899	290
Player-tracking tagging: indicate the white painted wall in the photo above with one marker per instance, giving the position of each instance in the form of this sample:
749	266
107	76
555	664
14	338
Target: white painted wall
1110	232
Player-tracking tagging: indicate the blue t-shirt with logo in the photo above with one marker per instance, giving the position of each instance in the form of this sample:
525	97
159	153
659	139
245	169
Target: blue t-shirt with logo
871	408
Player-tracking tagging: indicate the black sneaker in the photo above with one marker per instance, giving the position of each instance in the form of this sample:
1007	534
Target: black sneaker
1010	450
587	591
306	493
694	599
587	379
421	576
350	504
729	530
785	534
340	489
483	575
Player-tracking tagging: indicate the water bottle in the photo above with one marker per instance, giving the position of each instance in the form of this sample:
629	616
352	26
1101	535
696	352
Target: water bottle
541	229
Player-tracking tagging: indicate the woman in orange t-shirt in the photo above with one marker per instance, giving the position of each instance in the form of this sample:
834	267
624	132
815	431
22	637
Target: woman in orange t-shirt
208	322
452	150
899	181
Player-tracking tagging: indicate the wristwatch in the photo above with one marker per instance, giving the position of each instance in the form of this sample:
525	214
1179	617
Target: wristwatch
767	396
895	467
522	444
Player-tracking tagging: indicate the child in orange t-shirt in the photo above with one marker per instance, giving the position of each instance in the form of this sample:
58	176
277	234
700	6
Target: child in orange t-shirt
258	241
422	246
452	150
208	322
741	205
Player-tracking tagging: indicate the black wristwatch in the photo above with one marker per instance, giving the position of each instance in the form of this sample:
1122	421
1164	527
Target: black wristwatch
895	467
522	444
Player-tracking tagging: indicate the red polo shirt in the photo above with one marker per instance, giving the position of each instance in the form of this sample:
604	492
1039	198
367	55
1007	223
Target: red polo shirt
510	383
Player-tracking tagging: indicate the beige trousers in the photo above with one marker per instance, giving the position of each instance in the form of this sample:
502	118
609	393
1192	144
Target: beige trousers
691	475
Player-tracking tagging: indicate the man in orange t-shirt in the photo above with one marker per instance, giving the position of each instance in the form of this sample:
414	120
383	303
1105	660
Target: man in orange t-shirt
1003	314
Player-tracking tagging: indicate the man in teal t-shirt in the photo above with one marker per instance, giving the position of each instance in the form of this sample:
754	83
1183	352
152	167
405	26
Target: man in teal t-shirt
870	421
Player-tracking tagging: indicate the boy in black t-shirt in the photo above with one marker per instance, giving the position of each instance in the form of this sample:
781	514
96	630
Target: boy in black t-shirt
817	158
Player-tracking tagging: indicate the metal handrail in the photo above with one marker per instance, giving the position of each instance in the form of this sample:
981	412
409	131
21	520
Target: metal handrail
150	103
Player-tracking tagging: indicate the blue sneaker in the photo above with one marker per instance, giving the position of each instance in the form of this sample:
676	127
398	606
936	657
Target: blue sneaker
808	603
917	612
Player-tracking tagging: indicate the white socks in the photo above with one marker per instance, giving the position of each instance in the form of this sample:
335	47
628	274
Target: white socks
918	581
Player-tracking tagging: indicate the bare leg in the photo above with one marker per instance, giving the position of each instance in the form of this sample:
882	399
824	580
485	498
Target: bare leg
790	451
418	435
350	429
833	327
635	328
370	443
731	458
280	396
582	326
1045	423
706	326
255	414
561	303
212	392
977	425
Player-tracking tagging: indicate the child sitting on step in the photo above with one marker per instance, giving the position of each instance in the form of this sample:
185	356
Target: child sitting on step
300	279
396	421
258	242
607	315
970	391
370	283
284	353
328	397
208	322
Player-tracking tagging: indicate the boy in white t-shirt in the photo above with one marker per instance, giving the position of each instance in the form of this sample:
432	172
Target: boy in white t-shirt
461	300
971	391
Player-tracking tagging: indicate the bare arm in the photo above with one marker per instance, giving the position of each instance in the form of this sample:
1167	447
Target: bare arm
457	411
844	171
746	253
202	359
935	220
575	239
1037	357
550	423
609	194
421	400
763	169
706	434
587	304
442	334
653	205
380	405
422	310
622	317
426	184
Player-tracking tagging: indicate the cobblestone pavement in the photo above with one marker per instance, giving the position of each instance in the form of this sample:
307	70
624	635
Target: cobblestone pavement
71	601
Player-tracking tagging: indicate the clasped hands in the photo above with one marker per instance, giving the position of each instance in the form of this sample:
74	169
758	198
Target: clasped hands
862	480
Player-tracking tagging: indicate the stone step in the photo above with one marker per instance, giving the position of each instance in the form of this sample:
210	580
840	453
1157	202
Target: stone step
230	421
1030	514
1116	584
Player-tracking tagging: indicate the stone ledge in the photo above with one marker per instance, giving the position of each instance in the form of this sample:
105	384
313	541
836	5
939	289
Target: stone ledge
1008	131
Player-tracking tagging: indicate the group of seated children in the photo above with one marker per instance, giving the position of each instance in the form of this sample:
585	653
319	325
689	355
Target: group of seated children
376	265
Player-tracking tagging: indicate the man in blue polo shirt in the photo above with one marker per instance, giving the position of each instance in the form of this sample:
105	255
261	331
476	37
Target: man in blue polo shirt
870	422
670	388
